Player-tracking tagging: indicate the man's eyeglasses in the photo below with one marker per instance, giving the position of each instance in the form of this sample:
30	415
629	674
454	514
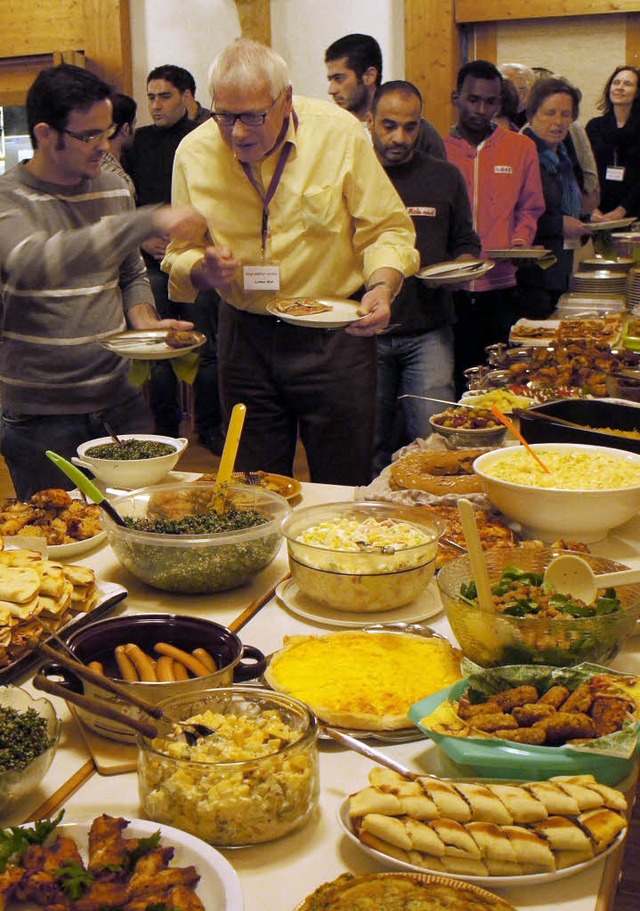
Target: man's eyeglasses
249	118
92	137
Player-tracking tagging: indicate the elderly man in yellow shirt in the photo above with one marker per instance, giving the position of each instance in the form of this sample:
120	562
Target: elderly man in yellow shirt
297	205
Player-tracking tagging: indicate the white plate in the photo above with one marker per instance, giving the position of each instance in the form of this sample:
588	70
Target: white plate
66	551
487	882
425	605
549	326
219	886
148	345
341	314
518	253
610	225
454	273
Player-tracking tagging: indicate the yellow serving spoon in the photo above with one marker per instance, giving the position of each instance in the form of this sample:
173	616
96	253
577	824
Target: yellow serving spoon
229	453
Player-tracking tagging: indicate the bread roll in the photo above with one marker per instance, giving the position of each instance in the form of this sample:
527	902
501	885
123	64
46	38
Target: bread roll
522	805
485	805
531	850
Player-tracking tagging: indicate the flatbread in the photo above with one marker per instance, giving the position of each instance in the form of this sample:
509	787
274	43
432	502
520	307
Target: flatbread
18	583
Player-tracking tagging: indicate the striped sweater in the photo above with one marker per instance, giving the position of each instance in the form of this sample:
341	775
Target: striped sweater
70	270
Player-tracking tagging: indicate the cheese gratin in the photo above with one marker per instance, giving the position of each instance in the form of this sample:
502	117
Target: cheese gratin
362	679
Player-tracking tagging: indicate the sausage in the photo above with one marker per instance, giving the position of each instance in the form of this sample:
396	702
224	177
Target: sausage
125	665
196	667
208	660
164	668
179	670
96	666
142	662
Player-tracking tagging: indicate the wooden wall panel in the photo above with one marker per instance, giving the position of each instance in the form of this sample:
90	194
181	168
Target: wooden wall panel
38	26
255	19
632	39
484	42
497	10
432	56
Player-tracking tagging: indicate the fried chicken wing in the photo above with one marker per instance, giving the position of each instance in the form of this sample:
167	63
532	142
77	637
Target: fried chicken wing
107	847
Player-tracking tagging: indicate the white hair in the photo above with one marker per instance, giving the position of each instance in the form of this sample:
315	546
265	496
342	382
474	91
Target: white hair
246	64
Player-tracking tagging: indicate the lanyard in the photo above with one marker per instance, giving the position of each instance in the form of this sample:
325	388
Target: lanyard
271	190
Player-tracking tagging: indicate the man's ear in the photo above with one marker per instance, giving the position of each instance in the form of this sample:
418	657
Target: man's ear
45	134
370	75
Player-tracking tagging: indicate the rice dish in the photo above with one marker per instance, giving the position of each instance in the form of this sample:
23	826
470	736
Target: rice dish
567	470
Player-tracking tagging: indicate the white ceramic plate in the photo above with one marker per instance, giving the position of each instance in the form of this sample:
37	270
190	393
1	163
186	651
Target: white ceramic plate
610	225
518	253
341	314
425	605
454	273
518	332
219	886
148	345
67	551
488	882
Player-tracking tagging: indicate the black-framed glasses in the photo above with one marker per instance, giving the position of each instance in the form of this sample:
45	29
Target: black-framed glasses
92	137
249	118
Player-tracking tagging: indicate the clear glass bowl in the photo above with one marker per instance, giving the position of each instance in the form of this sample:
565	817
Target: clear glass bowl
240	802
368	580
498	639
196	563
17	783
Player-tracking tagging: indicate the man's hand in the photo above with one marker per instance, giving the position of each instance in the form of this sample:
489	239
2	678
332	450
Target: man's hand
156	246
376	304
181	222
216	269
573	227
145	316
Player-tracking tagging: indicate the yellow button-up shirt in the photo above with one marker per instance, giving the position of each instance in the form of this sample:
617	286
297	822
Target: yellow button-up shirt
335	217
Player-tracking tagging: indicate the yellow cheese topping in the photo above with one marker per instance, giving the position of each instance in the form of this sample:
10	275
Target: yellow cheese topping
363	673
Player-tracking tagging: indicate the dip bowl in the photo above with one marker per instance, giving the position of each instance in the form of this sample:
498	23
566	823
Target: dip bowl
191	562
257	780
97	642
497	639
551	512
130	473
464	435
361	575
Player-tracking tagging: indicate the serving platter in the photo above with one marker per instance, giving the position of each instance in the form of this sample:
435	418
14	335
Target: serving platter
148	344
491	882
219	885
450	273
427	604
287	487
67	551
342	313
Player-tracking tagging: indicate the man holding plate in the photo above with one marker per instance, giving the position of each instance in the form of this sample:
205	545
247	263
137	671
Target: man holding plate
297	205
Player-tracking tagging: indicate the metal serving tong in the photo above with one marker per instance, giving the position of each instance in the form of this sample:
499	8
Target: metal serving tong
191	730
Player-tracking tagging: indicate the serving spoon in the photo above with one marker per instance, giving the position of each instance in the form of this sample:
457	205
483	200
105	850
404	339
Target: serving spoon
569	574
85	485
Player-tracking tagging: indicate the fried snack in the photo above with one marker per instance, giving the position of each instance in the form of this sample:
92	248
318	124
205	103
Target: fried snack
494	722
52	515
608	714
533	736
578	701
302	306
563	726
181	338
440	473
519	695
527	715
554	696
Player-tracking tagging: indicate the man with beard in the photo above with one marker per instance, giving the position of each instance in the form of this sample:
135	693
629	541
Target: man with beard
502	174
415	356
354	71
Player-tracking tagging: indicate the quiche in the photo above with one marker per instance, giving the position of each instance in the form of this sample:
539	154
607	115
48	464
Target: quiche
401	892
363	679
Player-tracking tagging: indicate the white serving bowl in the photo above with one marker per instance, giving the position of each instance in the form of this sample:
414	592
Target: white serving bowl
549	513
130	473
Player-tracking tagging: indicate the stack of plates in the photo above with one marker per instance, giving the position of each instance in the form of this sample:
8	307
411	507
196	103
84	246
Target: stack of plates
633	290
623	264
601	281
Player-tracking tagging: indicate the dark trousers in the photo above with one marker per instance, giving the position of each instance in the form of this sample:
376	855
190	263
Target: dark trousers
482	318
317	383
164	390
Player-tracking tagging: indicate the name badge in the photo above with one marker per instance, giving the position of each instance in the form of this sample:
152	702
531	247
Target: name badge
614	174
503	169
422	210
261	278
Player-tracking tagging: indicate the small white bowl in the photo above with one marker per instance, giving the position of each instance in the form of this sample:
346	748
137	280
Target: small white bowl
549	513
130	473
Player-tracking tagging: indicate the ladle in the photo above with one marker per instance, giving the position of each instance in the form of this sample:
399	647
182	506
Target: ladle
476	555
569	574
229	453
85	485
514	430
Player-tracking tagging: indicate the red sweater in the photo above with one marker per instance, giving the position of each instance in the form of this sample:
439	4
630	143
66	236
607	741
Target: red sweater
503	179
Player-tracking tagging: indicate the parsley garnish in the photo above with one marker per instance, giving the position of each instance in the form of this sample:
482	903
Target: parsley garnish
15	840
73	879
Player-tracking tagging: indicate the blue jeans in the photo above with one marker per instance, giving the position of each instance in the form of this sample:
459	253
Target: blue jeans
417	364
24	438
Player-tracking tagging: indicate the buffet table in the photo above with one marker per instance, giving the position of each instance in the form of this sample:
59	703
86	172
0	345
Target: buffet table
277	875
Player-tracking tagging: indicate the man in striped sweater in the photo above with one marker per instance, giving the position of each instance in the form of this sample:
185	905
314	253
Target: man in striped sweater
71	275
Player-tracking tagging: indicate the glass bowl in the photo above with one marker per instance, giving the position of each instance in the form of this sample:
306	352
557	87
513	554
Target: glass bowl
497	639
130	473
242	798
16	783
366	580
196	563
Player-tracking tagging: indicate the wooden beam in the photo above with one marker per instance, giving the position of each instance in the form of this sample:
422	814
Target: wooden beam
505	10
17	74
255	19
484	44
108	41
632	39
432	56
